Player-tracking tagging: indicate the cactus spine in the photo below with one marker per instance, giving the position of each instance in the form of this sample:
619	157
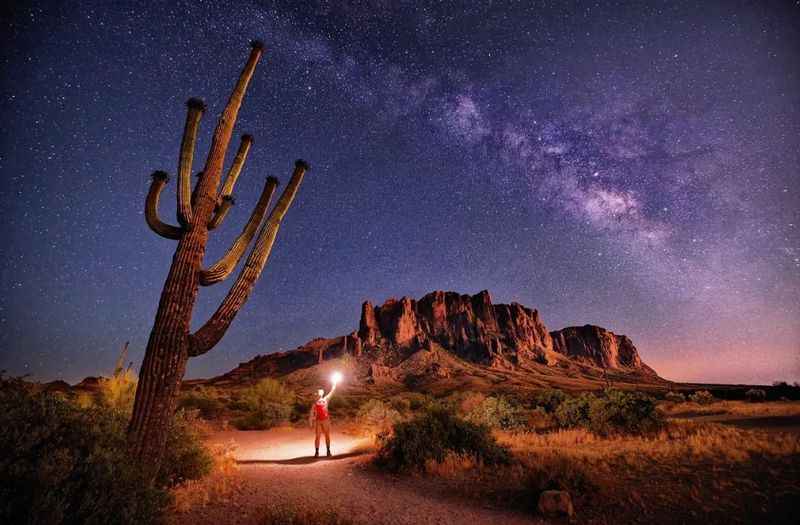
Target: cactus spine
199	210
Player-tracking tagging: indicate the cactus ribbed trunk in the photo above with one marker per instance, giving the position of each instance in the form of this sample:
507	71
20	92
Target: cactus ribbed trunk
167	352
171	344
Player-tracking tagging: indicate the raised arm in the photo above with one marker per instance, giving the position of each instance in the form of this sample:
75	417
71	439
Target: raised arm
333	389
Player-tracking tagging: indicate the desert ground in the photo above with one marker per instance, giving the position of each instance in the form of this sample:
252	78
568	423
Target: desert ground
731	462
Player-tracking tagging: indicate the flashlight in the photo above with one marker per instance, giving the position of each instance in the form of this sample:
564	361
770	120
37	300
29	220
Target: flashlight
336	377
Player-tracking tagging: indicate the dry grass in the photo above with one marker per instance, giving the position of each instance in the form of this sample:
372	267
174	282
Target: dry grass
217	487
702	441
735	408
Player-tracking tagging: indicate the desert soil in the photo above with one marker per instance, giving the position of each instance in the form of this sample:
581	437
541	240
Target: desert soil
276	468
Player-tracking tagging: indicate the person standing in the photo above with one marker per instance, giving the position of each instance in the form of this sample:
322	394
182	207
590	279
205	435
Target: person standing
320	419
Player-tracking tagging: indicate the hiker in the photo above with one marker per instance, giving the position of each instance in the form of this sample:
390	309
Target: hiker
320	419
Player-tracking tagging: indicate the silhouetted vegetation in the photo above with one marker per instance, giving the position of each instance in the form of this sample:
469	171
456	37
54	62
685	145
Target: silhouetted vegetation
67	464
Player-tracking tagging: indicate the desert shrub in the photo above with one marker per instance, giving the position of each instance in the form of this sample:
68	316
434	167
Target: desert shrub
702	397
498	412
266	404
68	464
614	411
185	457
291	515
265	417
550	399
675	397
118	391
204	400
574	411
377	417
755	395
629	412
400	404
431	436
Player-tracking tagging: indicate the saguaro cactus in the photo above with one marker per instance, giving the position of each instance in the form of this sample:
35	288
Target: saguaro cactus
201	209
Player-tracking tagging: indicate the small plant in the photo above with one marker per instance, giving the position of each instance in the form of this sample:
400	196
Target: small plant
675	397
267	404
574	411
702	397
614	411
376	417
498	412
204	400
550	399
756	395
432	436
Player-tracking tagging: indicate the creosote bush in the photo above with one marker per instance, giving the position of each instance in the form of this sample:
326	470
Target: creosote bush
433	435
550	399
267	404
498	412
204	400
613	411
72	465
702	397
376	417
675	397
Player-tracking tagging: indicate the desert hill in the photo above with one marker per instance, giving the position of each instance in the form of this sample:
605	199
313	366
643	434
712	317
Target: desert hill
445	341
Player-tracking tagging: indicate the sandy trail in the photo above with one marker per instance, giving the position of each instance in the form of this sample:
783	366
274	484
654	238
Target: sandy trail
276	468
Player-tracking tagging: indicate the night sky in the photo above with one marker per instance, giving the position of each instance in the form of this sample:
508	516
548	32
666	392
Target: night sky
630	166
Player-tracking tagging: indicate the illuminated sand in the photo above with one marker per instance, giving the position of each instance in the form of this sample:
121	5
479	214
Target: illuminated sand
287	445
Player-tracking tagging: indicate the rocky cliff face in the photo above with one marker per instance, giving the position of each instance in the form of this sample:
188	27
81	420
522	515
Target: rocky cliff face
470	327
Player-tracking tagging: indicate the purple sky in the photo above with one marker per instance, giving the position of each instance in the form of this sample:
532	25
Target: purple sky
632	166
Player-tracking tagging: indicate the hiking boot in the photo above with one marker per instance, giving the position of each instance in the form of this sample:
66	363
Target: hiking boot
329	454
316	454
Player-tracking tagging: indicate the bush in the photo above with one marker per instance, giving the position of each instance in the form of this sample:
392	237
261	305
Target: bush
204	400
185	457
614	411
702	397
118	391
675	397
498	412
432	436
574	411
550	399
755	395
267	404
377	417
630	412
267	416
68	465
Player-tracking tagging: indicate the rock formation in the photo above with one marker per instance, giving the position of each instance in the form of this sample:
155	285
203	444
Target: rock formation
420	334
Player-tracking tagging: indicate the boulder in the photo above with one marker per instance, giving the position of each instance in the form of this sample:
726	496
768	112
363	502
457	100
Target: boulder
555	504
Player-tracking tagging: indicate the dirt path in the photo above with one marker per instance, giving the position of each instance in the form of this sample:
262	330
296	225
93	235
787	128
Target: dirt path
275	469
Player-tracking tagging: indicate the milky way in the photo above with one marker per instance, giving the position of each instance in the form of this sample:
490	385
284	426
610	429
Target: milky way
630	166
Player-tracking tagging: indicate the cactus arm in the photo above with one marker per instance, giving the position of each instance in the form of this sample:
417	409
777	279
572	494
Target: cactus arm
212	172
236	167
167	231
230	180
195	108
212	331
221	211
223	267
